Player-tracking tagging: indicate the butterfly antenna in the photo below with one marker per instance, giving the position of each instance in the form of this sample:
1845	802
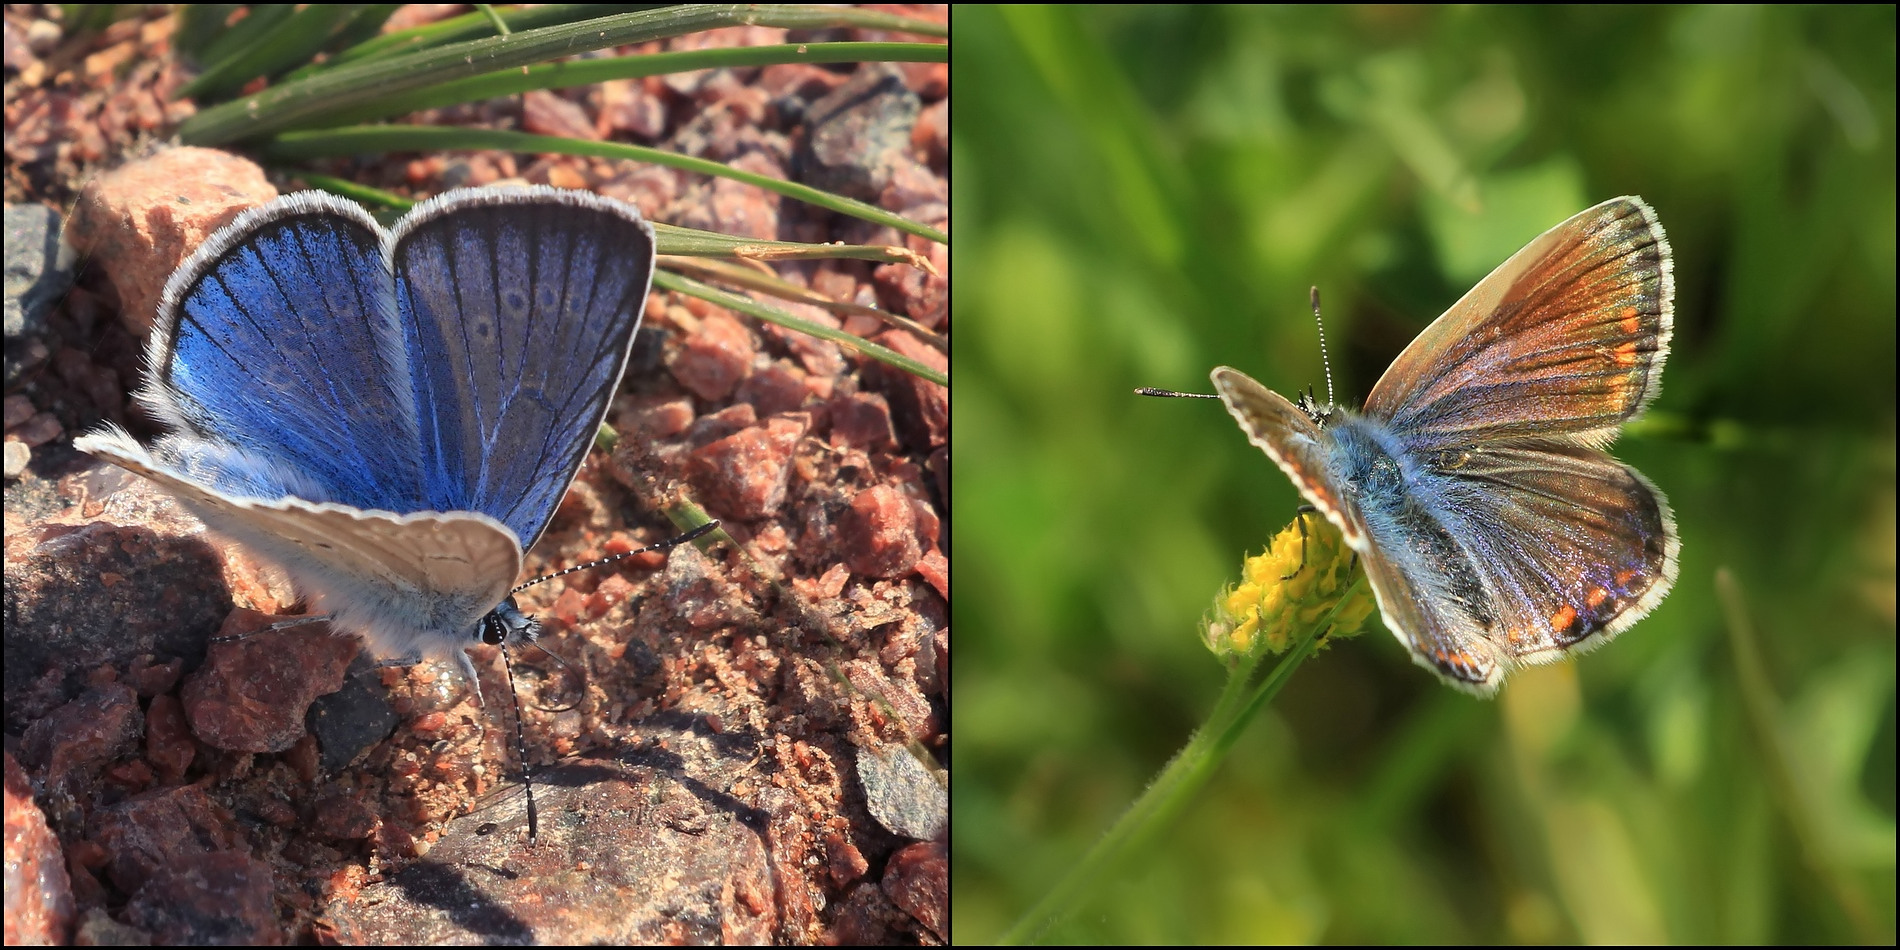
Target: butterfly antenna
665	545
1325	363
1152	391
521	751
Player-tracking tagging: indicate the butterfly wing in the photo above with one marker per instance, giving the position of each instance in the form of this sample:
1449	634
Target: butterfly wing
1498	556
1565	340
1571	547
277	361
1527	540
279	364
1295	443
521	307
411	584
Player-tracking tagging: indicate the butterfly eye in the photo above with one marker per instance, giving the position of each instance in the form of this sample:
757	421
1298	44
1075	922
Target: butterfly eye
507	623
493	633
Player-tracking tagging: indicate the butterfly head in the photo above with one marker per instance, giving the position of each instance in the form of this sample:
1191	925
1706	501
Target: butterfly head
507	625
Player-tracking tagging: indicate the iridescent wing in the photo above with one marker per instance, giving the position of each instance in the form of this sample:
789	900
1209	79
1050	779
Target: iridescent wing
1565	340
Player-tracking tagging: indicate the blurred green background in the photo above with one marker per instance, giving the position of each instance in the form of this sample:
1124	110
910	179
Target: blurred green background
1144	193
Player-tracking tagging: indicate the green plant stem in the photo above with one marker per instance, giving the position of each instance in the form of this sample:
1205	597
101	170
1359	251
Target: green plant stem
573	73
286	107
369	139
1175	788
883	354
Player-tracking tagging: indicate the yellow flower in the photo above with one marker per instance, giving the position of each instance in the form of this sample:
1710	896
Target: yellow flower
1287	589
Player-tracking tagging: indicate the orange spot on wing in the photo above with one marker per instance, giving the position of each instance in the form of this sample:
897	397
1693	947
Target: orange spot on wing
1564	619
1632	321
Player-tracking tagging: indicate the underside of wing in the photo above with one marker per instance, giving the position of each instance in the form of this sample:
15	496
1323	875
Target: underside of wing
1294	442
411	584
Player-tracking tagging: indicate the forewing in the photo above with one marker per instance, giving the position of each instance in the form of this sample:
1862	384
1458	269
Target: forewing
276	345
1295	443
1565	340
522	307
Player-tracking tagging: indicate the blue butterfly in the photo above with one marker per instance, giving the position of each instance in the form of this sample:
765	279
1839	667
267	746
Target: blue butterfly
391	416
